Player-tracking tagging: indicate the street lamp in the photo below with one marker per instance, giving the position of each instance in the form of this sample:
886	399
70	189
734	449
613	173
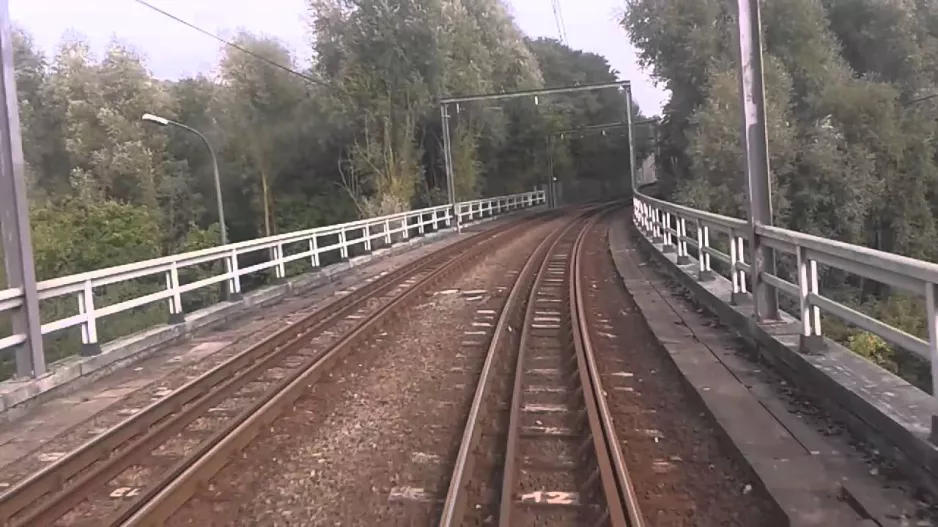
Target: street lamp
162	121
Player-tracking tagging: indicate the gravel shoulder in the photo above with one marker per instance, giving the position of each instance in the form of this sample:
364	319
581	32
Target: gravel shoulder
372	443
682	472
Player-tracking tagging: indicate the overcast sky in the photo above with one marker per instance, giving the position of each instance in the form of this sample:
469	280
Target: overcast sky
173	50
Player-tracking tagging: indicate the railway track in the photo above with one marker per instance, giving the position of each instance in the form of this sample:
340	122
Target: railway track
142	470
559	462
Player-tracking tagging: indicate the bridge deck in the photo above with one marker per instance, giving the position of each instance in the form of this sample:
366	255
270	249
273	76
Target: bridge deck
798	454
803	459
36	434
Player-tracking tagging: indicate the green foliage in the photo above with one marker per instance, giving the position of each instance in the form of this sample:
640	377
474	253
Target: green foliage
107	188
853	157
873	348
72	236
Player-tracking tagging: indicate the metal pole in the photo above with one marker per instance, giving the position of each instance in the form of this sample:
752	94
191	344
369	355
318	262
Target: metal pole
221	204
755	140
448	160
628	112
14	214
550	173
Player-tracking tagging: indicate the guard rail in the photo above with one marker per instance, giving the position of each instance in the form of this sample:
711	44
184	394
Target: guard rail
389	229
667	223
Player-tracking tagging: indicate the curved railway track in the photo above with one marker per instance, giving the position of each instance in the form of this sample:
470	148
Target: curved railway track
560	462
142	470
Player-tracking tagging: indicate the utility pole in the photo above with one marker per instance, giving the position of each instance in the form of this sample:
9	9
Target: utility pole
444	117
14	215
448	161
628	116
756	144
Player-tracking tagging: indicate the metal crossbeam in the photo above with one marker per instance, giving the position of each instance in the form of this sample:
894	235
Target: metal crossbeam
535	93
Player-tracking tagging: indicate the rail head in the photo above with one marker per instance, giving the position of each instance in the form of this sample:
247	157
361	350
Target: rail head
624	488
91	461
452	514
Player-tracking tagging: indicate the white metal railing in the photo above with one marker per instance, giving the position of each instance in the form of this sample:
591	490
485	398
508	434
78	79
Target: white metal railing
357	233
666	223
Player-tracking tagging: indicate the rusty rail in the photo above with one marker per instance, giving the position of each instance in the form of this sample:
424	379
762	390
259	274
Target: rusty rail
622	488
604	494
57	489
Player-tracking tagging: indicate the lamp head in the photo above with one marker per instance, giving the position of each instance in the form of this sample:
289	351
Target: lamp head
155	119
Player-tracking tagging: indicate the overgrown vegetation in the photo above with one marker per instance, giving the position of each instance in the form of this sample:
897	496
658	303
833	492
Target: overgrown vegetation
853	150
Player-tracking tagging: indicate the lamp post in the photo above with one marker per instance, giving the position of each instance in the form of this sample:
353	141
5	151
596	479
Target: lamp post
162	121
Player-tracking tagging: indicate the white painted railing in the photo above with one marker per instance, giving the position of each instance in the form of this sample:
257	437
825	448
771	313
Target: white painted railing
667	223
363	233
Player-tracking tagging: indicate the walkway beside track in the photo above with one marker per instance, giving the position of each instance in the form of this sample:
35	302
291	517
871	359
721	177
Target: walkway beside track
47	430
811	469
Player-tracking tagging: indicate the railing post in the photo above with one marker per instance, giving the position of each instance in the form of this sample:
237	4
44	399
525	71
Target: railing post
704	273
931	300
280	271
234	280
176	314
738	295
650	215
89	329
741	253
812	340
366	233
314	250
638	213
682	257
387	230
343	245
656	223
668	236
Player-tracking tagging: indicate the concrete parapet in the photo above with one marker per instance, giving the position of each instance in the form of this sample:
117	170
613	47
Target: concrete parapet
874	403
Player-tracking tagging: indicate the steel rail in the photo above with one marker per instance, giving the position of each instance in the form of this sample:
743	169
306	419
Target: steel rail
455	501
154	422
164	500
589	372
614	506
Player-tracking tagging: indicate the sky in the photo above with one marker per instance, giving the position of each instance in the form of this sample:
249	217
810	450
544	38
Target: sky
173	50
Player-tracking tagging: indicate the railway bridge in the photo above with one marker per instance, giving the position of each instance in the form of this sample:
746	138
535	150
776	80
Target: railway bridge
503	361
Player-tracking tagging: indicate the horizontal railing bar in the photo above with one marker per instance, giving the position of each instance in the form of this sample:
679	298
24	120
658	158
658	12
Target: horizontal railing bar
783	286
12	340
861	256
889	269
162	269
863	321
724	222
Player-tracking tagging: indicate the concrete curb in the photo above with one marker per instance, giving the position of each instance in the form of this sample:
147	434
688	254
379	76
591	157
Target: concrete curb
874	403
75	372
